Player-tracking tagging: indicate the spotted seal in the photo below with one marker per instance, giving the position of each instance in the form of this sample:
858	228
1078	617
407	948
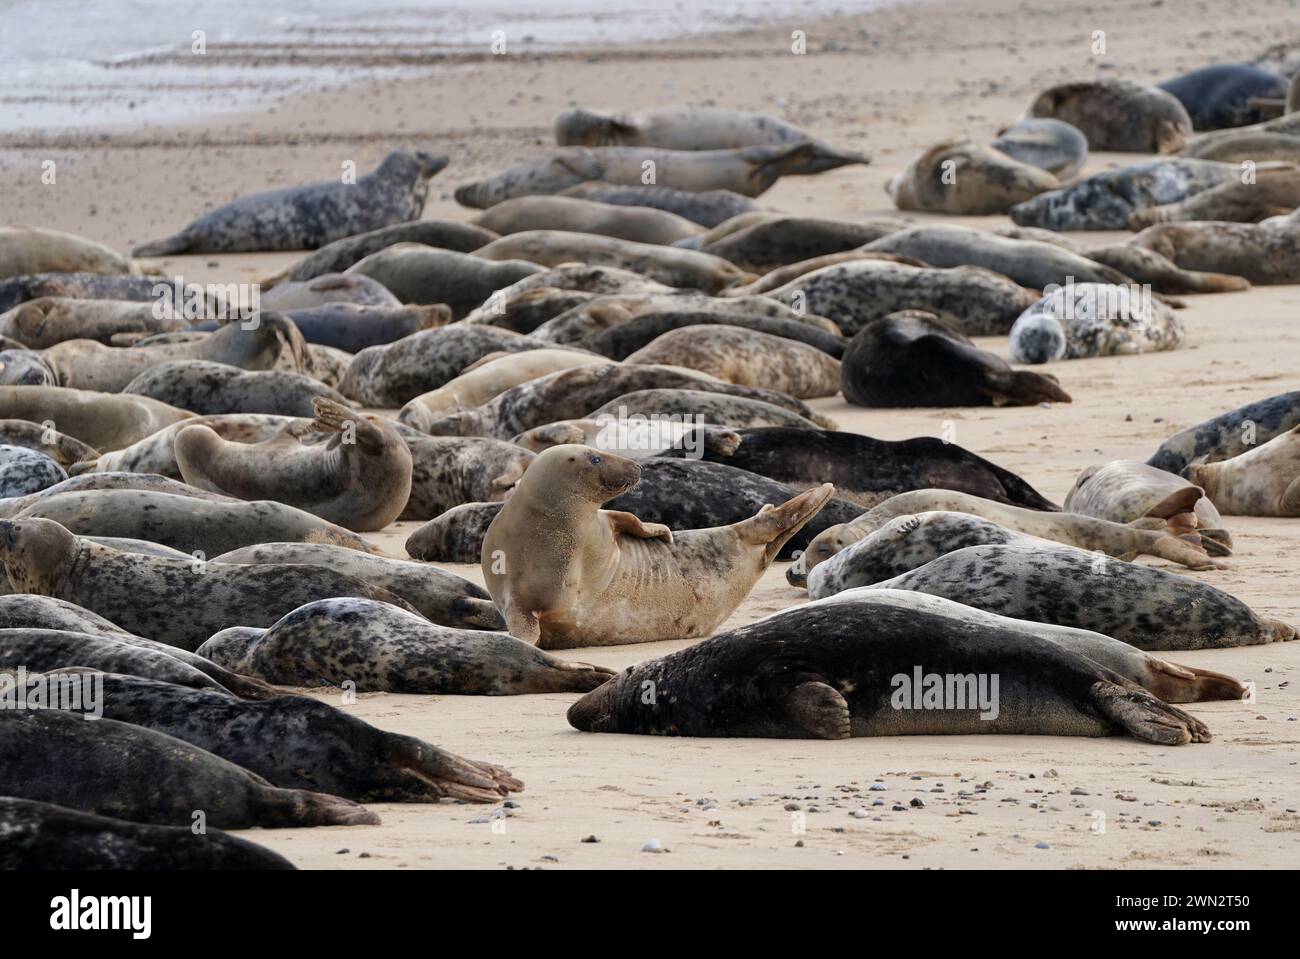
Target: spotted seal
50	320
299	743
636	334
1264	481
172	601
1140	605
307	217
1093	319
708	208
1229	434
1123	491
209	388
338	256
1046	143
106	422
381	648
129	772
24	471
576	215
422	274
747	358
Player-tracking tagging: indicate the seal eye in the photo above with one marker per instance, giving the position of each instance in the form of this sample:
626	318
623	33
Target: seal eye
596	461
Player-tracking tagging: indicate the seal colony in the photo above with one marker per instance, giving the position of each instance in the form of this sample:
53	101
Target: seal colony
614	387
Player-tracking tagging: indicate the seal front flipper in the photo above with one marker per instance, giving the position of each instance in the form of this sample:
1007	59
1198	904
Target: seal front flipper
1146	717
628	525
522	625
820	709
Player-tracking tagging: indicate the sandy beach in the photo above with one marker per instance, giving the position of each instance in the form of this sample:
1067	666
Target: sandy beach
888	82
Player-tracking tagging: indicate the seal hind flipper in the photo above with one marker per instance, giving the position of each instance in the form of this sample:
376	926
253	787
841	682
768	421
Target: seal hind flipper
176	243
1206	684
774	525
448	774
1146	717
1290	502
820	709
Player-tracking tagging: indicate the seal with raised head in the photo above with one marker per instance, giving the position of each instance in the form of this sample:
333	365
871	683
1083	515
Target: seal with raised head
571	213
156	452
672	266
708	208
299	743
442	597
1141	605
307	217
962	177
748	171
746	358
20	611
1264	481
177	602
867	470
1121	115
49	320
1168	530
567	573
116	769
338	256
208	388
1108	200
831	670
1051	145
360	479
1229	434
26	250
1220	95
1093	319
691	128
913	358
43	836
383	649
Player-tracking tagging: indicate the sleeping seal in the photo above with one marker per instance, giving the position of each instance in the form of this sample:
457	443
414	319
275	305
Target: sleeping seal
844	667
576	215
218	388
24	471
25	250
708	208
567	573
1093	319
1140	605
1123	491
307	217
1048	144
338	256
383	649
1220	95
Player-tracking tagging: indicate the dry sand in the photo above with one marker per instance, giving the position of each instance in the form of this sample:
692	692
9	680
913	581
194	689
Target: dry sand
889	83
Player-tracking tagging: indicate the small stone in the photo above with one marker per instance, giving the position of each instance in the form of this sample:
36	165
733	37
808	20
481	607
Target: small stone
798	844
1078	791
549	859
792	807
1041	845
859	814
653	845
590	839
343	852
917	803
